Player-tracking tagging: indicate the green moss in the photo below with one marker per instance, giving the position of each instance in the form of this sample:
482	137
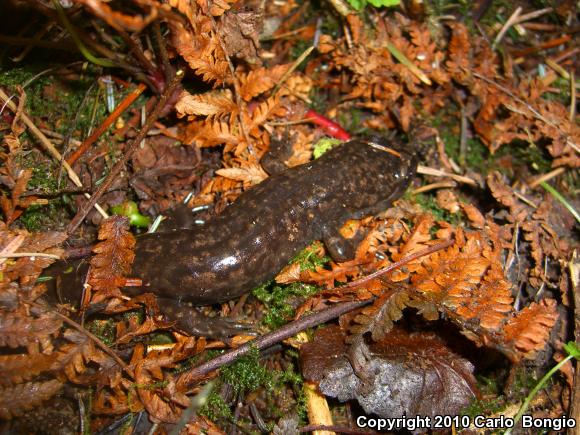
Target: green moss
78	105
293	377
437	8
484	407
524	381
477	155
216	408
495	402
309	259
299	47
10	78
44	179
247	374
526	154
323	145
277	298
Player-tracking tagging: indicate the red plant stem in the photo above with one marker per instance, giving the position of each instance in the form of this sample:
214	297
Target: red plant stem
121	107
549	44
329	127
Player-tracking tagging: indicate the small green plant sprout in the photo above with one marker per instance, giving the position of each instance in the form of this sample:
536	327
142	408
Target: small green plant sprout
573	352
130	209
359	5
324	145
562	200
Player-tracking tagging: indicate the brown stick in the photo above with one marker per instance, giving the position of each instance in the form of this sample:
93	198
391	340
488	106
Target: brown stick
188	378
121	107
82	213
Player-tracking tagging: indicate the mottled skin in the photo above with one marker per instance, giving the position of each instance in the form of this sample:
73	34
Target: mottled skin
256	236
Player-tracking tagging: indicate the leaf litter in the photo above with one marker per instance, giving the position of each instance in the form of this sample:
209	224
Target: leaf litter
504	287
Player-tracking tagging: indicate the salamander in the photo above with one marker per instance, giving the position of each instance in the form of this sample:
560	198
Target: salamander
255	237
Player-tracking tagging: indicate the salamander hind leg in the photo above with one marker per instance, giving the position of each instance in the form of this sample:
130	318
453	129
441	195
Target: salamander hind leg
190	320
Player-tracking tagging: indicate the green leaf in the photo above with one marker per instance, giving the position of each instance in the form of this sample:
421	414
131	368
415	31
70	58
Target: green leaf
384	3
130	209
357	4
360	4
572	349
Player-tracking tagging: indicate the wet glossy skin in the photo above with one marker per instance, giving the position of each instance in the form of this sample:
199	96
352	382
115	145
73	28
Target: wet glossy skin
256	236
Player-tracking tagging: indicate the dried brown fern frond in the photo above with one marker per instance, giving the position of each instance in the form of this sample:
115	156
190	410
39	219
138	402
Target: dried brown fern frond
529	329
16	400
113	259
464	283
121	21
19	329
379	318
213	132
212	103
14	205
200	48
449	278
16	369
74	356
542	240
262	112
260	80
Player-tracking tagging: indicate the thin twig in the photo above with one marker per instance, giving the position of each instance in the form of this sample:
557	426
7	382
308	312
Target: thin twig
162	50
137	51
414	69
533	15
425	170
548	176
513	19
292	68
29	254
83	331
572	116
121	107
398	264
104	186
435	186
